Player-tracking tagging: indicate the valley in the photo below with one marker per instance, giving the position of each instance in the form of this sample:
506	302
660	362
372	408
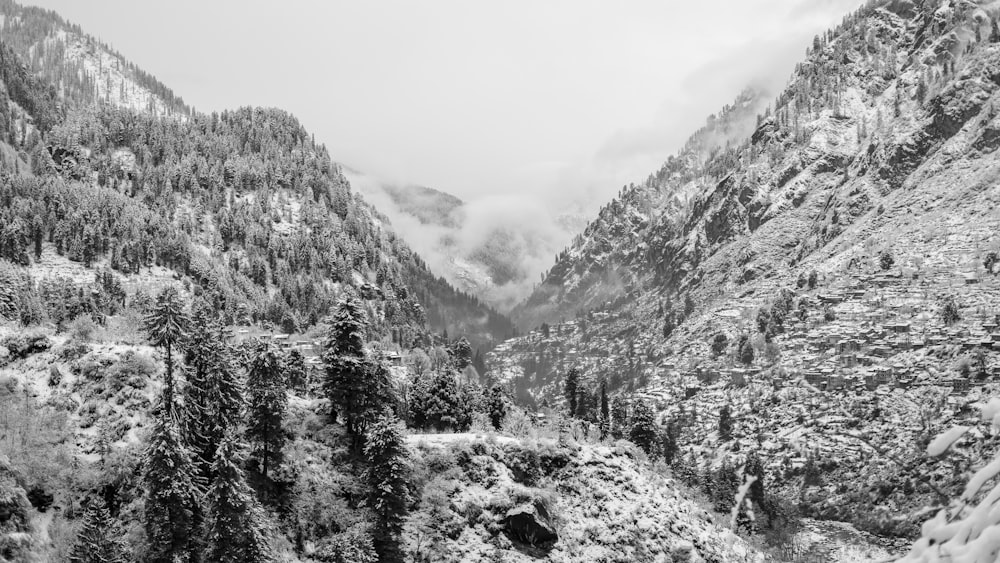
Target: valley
219	344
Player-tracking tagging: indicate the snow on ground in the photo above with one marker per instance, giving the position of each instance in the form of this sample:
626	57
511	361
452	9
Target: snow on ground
441	439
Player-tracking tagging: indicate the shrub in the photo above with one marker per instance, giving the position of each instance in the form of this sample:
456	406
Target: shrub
440	460
517	424
553	457
55	376
82	328
73	350
481	424
886	260
719	343
133	369
524	464
23	345
990	261
949	311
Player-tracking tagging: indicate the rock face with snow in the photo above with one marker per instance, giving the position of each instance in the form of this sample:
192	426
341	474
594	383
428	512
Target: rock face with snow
519	500
529	523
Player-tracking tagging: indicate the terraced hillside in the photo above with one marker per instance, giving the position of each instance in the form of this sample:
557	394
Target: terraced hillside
830	278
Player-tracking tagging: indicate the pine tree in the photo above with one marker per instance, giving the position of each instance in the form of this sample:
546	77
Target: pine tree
267	400
166	325
757	494
643	431
496	405
296	371
389	496
669	324
723	485
437	403
173	511
100	540
619	417
744	350
354	385
571	390
213	394
461	353
668	442
605	413
237	530
725	423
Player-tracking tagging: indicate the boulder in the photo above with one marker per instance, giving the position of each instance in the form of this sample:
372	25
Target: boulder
530	524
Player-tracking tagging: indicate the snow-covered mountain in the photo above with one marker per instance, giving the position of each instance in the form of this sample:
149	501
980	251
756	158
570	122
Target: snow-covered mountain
827	272
83	70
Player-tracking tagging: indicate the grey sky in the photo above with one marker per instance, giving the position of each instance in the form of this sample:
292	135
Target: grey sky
566	98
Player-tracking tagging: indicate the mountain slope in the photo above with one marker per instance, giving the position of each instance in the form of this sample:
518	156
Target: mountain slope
243	205
812	276
82	70
608	258
878	108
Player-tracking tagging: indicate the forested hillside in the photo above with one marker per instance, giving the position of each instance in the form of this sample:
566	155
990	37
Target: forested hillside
245	203
82	70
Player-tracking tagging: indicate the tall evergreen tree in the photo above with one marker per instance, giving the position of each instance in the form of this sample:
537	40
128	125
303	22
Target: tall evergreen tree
296	372
605	412
497	405
167	325
100	540
267	400
461	353
437	403
237	530
643	431
173	511
344	356
358	387
389	492
668	442
619	417
213	394
757	494
726	423
571	389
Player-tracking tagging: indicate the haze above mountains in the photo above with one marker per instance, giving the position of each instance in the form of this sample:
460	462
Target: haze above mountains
534	135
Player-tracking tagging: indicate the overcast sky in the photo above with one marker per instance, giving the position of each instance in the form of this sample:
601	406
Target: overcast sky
556	98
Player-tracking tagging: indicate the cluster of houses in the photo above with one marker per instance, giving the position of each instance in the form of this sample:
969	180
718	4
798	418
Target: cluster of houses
311	350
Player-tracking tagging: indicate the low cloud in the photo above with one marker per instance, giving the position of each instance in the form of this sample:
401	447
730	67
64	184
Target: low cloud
517	235
509	238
